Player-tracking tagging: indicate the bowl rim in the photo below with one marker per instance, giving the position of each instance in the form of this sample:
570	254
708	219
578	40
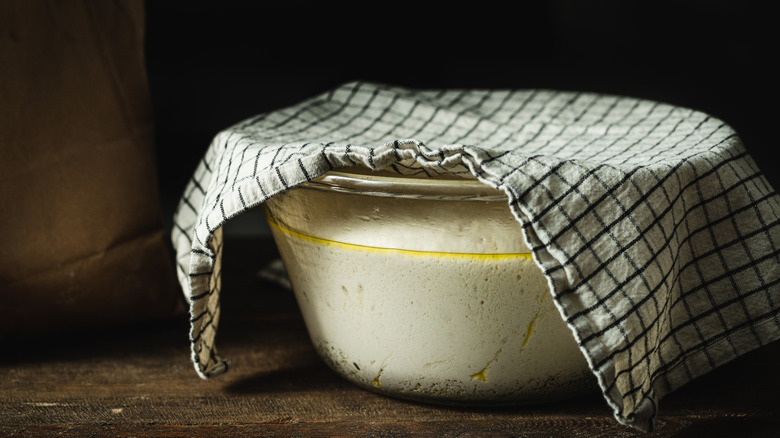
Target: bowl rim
364	181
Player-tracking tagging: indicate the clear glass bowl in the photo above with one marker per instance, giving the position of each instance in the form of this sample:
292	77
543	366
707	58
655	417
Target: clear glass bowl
423	288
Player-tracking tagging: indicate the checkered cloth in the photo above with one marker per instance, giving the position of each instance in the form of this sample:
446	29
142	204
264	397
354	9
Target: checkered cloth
655	228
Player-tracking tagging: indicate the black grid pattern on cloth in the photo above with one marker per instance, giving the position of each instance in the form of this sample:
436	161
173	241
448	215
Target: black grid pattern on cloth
656	229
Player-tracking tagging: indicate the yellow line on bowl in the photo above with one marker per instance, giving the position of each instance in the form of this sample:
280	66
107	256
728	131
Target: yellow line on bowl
410	252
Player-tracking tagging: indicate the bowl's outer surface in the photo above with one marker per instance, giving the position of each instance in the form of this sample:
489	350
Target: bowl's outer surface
425	298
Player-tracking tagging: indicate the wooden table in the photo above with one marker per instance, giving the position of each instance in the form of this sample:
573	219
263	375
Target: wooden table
113	382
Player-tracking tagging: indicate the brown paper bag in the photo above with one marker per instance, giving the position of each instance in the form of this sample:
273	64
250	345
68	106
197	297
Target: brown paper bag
82	238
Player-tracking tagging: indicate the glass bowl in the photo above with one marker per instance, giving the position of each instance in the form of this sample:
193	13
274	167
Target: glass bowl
423	288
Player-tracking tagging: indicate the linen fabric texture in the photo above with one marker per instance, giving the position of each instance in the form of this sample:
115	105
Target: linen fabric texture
655	228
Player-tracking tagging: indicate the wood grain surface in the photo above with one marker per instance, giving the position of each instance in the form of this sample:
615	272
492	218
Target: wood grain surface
114	382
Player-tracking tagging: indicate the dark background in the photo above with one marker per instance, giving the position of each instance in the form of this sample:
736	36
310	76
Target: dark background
212	64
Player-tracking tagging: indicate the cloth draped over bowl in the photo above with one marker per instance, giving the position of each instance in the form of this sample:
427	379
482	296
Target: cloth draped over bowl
655	228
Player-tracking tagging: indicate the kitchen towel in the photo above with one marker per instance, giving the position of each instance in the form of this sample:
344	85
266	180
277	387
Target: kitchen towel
655	228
